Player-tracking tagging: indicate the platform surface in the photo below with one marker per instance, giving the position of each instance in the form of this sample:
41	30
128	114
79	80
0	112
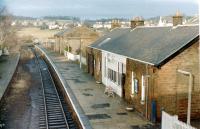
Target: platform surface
102	111
7	68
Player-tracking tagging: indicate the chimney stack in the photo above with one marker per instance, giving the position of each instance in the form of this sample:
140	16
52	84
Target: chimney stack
115	24
137	21
177	19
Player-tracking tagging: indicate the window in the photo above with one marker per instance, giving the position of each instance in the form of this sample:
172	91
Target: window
134	84
119	78
105	67
112	75
143	89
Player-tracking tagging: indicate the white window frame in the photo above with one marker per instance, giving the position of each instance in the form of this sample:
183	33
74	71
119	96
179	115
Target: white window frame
132	83
143	89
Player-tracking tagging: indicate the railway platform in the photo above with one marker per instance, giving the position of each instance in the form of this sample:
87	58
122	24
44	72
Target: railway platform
8	66
101	111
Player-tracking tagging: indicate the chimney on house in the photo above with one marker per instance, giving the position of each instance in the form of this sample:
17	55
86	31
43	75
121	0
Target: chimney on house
177	19
137	21
115	24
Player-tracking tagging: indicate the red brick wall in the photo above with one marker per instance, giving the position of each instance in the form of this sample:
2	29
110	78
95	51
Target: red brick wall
168	87
171	88
98	62
139	69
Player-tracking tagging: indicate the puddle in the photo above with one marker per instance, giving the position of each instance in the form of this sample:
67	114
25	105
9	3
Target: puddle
98	116
78	81
147	126
86	94
88	89
135	127
122	113
103	105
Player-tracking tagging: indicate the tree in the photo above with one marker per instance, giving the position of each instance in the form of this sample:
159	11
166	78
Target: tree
7	32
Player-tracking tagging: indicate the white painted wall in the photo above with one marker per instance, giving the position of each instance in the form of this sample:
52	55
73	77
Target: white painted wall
71	56
114	62
0	52
74	57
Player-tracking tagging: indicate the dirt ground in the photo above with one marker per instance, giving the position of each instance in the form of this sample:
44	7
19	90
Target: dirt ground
20	108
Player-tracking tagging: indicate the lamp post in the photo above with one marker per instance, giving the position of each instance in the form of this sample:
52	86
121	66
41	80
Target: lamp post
80	54
189	93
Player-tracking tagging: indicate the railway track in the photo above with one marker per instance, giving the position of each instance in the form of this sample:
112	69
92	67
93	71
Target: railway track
54	113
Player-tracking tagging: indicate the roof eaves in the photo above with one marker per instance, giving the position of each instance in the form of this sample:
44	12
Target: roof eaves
176	52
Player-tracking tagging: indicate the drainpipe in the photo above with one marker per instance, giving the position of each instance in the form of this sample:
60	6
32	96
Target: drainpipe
189	93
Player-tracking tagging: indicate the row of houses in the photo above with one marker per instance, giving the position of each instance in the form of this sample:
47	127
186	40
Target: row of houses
141	65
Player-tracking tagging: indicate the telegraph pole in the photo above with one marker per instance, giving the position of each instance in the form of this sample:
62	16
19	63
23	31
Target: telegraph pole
80	54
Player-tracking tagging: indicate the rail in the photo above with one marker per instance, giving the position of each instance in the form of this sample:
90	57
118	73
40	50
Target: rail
52	114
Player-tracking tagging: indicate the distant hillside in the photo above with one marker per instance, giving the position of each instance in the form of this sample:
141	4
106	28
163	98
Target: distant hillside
106	20
23	18
47	18
61	18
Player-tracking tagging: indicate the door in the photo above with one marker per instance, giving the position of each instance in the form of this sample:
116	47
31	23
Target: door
91	64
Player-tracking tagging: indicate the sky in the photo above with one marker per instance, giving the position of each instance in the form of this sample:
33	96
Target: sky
100	8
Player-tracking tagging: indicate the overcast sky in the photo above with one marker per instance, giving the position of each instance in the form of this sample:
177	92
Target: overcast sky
100	8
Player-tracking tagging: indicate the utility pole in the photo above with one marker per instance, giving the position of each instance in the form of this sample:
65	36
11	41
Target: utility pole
80	54
189	93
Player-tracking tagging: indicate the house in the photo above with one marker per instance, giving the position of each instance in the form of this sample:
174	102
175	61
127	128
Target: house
59	43
141	65
100	61
75	41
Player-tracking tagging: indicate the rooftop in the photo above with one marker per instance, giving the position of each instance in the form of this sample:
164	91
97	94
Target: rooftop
151	45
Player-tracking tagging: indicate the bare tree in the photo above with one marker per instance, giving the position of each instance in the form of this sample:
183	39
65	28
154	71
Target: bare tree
7	32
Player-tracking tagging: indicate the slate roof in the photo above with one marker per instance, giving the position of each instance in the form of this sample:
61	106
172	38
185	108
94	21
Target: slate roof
151	45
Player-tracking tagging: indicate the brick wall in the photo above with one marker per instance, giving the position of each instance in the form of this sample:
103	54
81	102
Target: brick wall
165	85
171	88
97	58
57	44
98	62
139	69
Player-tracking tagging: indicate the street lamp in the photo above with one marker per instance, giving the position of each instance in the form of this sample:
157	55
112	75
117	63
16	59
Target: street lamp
80	54
189	93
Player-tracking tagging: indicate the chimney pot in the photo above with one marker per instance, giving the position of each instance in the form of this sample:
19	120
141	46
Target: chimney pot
137	21
115	23
177	19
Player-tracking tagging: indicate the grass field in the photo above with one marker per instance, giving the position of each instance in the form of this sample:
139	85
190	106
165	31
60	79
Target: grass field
37	33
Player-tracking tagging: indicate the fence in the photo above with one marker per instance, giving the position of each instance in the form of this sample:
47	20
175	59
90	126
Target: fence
172	122
74	57
71	56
